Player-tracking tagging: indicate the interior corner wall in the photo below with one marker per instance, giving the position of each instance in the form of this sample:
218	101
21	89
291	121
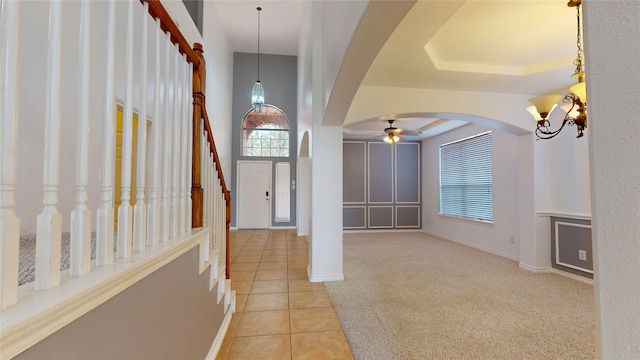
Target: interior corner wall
170	314
278	74
494	238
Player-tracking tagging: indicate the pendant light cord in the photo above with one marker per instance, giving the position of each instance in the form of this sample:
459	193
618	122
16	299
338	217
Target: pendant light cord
259	9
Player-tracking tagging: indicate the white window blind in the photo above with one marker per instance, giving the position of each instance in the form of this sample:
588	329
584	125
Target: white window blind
466	180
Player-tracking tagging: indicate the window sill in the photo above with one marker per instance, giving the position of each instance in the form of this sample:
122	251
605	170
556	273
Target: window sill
467	220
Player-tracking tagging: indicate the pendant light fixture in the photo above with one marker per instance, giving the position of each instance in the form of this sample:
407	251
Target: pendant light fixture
257	94
576	98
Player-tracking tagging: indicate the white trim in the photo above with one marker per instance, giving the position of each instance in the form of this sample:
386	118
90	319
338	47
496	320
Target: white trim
381	227
364	225
286	227
565	215
408	227
479	247
548	270
364	175
368	175
39	314
328	277
395	174
558	262
222	332
534	269
382	231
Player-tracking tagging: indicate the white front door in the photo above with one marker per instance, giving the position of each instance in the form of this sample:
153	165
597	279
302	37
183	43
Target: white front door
254	194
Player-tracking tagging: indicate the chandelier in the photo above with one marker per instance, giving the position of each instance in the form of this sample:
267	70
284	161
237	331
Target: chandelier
576	98
257	94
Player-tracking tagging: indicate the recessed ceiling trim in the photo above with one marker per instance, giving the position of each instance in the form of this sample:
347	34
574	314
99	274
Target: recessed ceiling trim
494	69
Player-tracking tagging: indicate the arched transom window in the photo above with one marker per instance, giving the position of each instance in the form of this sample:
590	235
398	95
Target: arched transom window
265	133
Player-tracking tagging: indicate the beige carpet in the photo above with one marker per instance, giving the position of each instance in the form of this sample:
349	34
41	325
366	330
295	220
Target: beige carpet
414	296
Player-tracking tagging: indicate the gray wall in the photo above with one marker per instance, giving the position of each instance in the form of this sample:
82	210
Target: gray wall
568	237
381	185
170	314
279	77
195	9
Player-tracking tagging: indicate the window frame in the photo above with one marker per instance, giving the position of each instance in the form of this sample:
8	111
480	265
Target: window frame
278	129
471	158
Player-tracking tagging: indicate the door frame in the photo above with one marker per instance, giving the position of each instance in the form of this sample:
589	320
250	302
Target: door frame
238	194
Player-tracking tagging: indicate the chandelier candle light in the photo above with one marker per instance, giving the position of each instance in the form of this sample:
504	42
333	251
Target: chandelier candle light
577	98
257	94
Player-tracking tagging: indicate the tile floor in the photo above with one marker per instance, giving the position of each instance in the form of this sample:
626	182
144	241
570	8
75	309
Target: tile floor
280	314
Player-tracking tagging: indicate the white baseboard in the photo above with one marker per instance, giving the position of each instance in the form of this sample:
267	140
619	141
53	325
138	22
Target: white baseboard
222	332
534	269
326	277
288	227
479	247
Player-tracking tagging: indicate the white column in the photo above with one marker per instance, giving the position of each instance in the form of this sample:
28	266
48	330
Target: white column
165	143
80	253
140	208
9	222
105	215
175	145
153	208
612	49
49	222
125	218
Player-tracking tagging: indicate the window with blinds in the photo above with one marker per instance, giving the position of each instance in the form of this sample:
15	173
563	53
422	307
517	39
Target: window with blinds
466	180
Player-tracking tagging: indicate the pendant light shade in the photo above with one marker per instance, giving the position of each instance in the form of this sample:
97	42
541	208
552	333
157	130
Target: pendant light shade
257	93
257	97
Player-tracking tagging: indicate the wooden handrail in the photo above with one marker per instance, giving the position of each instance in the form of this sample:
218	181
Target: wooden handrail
157	11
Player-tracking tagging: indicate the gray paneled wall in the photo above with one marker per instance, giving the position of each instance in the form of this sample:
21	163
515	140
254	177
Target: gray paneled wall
571	246
381	185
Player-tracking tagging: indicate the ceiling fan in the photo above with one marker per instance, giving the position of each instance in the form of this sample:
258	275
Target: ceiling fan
393	133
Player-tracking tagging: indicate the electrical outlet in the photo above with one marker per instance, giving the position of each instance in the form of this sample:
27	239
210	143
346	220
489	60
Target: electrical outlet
582	255
512	239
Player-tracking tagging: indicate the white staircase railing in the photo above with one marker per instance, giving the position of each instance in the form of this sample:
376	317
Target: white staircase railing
154	76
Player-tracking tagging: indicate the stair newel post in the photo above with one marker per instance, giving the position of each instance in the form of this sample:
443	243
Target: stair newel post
80	248
125	218
199	87
9	222
165	147
175	144
153	210
49	222
140	208
105	213
227	197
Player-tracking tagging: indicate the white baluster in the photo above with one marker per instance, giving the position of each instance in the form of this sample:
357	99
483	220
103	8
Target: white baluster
189	146
80	252
204	174
175	145
140	208
165	147
49	222
9	222
182	201
125	220
153	208
105	215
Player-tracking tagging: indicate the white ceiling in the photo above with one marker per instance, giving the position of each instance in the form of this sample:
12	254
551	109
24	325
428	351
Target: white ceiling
502	46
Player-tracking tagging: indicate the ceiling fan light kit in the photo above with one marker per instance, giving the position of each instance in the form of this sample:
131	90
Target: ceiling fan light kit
391	132
577	97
